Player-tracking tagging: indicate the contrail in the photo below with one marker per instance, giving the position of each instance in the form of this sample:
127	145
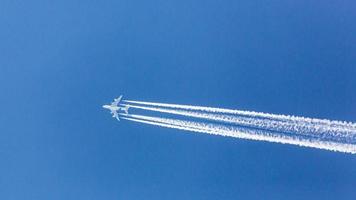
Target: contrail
321	131
330	123
241	132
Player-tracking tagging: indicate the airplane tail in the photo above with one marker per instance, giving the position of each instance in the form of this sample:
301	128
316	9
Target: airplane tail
126	109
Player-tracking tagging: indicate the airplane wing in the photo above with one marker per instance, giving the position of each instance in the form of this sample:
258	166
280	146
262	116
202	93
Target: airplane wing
116	101
116	116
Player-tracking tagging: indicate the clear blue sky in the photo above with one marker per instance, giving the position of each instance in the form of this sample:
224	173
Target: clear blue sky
61	60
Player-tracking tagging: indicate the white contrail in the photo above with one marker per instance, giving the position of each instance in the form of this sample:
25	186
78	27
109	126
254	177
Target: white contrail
318	130
244	133
163	124
285	118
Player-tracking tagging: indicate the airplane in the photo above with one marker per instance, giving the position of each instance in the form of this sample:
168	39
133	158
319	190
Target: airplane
114	108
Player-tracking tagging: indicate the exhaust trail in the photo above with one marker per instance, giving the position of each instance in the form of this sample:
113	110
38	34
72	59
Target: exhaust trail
304	129
243	133
283	118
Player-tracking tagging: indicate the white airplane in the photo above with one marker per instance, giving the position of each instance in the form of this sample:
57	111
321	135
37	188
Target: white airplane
114	108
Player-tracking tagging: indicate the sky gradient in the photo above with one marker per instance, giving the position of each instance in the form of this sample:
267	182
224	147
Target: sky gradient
60	61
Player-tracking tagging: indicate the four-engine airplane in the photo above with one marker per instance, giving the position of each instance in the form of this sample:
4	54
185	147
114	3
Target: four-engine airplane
114	107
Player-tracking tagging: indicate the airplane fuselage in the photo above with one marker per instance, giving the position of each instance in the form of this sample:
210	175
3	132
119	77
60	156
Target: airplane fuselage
112	108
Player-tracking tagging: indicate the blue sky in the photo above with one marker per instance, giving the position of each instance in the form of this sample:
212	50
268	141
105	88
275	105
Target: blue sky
61	60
